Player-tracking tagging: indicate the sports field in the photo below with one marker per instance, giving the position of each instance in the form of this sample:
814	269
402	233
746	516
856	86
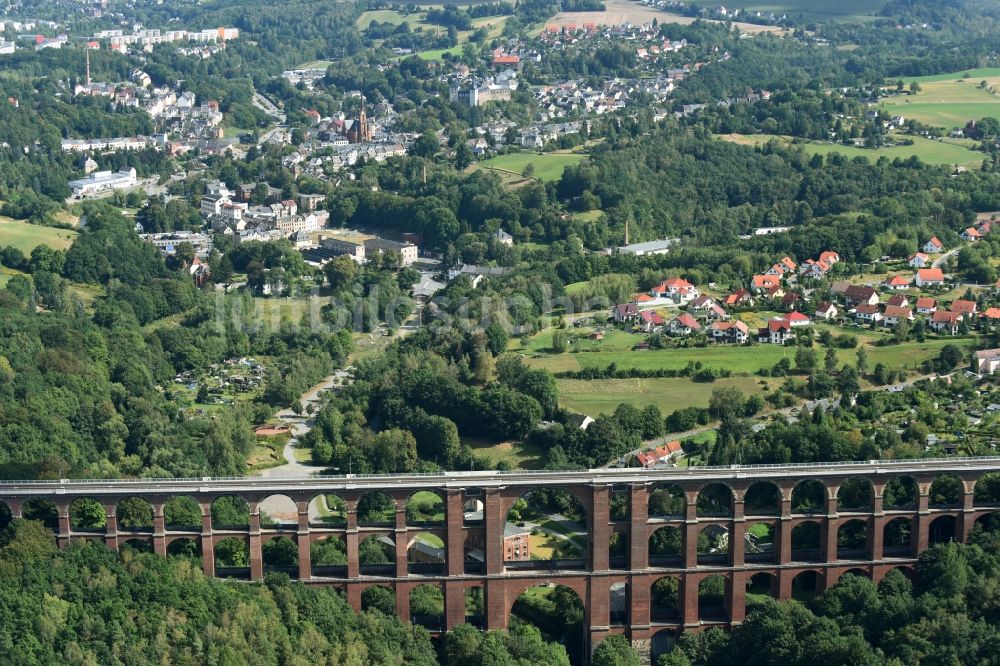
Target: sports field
26	237
548	166
945	151
950	100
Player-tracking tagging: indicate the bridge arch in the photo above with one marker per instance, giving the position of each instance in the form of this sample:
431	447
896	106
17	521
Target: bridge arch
807	541
663	642
667	500
808	497
942	530
665	601
43	510
136	544
425	554
232	557
376	509
666	546
713	544
987	490
762	498
855	494
230	512
377	555
87	514
900	492
425	508
852	539
327	510
380	598
759	543
988	522
328	555
713	598
427	606
715	499
897	536
618	603
6	515
134	514
759	587
544	527
182	513
278	511
184	547
555	608
946	492
856	571
807	584
473	511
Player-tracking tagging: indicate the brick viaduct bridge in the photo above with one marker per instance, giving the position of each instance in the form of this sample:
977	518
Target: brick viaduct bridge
778	530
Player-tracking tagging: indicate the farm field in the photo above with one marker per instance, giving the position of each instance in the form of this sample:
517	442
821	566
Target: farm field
946	151
548	166
388	16
26	237
951	101
618	12
815	9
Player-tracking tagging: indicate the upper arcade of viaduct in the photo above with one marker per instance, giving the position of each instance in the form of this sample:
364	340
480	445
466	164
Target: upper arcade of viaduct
649	540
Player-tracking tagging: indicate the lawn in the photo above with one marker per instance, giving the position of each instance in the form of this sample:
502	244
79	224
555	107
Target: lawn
945	151
602	396
315	64
517	455
975	75
388	16
949	102
26	237
548	166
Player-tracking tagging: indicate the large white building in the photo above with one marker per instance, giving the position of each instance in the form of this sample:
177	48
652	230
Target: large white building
103	181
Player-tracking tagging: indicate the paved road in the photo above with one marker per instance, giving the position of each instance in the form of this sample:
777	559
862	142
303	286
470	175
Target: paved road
944	257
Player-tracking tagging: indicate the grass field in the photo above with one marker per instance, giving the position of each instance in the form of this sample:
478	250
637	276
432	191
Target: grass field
949	101
26	237
602	396
494	25
518	456
945	151
548	166
388	16
814	9
617	12
974	75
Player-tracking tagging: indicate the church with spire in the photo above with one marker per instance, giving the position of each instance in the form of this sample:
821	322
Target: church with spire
360	130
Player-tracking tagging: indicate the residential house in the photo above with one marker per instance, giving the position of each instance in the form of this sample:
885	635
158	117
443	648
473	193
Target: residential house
991	315
790	300
740	297
814	269
761	283
971	235
857	294
929	277
896	283
796	319
963	306
829	257
777	292
650	321
777	332
735	332
504	238
933	246
926	305
868	313
684	324
945	321
660	455
899	300
716	313
896	313
703	302
625	312
678	290
919	260
826	311
987	361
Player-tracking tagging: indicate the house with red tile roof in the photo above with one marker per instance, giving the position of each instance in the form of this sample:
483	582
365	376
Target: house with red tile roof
963	306
735	332
650	321
945	321
919	260
971	235
868	313
678	290
797	319
777	332
896	282
826	311
933	246
684	324
929	277
901	300
739	297
659	455
625	312
926	305
896	313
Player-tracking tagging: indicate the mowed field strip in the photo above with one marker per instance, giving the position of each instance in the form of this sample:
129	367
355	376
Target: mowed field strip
949	100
